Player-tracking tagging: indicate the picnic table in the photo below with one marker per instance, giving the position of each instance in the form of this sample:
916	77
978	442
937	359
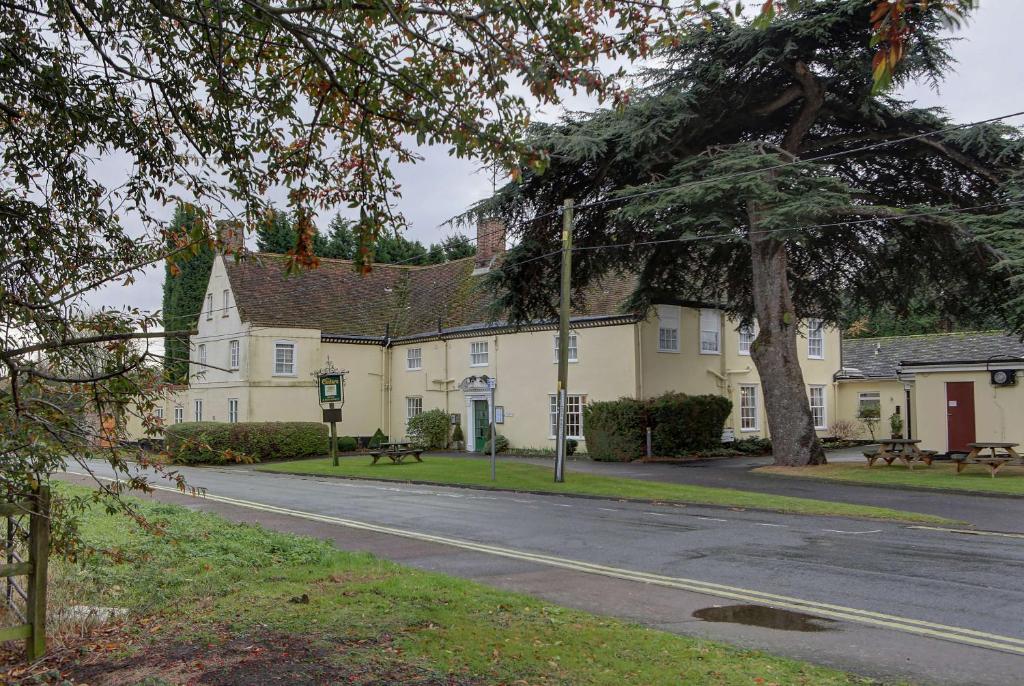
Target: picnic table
903	449
396	451
994	461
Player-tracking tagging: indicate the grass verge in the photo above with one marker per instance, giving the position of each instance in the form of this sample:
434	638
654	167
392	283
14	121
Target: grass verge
940	476
528	477
211	599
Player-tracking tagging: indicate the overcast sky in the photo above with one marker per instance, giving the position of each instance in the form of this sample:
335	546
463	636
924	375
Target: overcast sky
989	81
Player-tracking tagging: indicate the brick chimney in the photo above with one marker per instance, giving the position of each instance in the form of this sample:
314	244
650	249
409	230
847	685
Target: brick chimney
231	235
490	241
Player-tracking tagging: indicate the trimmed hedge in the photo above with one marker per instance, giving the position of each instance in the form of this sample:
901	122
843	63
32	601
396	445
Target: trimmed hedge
616	430
430	429
222	442
347	444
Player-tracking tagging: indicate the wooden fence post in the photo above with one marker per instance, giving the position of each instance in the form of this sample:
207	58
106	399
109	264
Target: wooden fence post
38	555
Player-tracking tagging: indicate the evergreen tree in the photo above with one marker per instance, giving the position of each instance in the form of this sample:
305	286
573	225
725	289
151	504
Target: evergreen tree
185	283
341	240
711	185
435	254
276	234
458	246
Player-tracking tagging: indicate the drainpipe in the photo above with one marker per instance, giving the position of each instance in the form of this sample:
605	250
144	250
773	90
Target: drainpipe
639	337
906	393
387	379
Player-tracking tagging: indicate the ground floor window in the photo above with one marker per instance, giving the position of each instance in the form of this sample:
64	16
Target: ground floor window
573	416
232	410
816	396
748	408
159	413
198	410
869	404
413	407
179	415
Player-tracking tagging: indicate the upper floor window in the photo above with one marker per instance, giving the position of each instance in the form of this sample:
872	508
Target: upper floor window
478	354
710	332
234	353
158	412
748	332
209	305
668	329
815	339
201	353
414	359
816	397
227	298
574	349
284	358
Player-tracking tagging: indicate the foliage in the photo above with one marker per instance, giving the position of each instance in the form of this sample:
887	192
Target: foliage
616	430
377	438
753	446
870	418
222	442
457	435
347	444
896	424
740	157
844	429
275	233
922	314
430	429
185	283
571	444
500	444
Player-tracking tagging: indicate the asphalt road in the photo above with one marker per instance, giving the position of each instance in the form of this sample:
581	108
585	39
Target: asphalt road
896	602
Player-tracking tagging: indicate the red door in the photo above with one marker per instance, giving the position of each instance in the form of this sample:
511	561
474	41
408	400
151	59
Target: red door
960	414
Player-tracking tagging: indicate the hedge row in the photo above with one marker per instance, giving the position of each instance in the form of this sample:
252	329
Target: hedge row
221	442
616	430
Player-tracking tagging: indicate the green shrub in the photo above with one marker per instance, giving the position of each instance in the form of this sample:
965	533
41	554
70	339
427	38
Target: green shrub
430	429
347	444
457	435
500	444
377	438
222	442
753	446
615	430
680	425
571	445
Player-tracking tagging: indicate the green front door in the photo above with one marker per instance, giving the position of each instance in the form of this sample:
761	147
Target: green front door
481	429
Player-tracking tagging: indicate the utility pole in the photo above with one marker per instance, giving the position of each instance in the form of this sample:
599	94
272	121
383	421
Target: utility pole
563	338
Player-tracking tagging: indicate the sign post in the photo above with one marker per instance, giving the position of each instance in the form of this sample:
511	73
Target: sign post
332	390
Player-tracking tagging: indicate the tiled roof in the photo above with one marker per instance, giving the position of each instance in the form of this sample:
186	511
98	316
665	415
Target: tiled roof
413	300
879	357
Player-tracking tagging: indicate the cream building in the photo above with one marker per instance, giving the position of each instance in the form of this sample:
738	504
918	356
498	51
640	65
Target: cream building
413	339
951	389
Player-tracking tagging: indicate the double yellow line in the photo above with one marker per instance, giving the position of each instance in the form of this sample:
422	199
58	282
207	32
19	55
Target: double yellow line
918	627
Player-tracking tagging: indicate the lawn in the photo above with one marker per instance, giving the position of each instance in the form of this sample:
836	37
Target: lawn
212	600
941	475
528	477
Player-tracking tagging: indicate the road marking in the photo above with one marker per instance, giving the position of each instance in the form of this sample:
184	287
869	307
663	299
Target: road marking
905	624
767	524
561	505
657	514
855	533
609	509
968	532
711	519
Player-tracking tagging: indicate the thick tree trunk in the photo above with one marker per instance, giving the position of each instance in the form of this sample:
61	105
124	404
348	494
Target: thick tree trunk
794	441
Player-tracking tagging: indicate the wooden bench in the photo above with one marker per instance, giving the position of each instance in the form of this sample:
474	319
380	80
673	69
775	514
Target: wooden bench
902	449
396	452
993	462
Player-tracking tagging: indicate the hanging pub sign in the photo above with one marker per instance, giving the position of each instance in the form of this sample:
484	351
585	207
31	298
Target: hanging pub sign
331	389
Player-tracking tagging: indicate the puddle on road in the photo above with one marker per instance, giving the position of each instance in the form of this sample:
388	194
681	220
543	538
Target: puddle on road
768	617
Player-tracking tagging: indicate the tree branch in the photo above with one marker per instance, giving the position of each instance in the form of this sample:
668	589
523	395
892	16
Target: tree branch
102	338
